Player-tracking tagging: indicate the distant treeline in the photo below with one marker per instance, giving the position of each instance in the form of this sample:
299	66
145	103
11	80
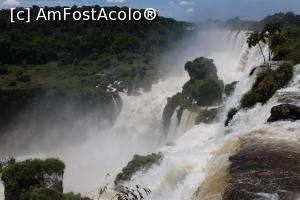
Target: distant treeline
70	41
286	19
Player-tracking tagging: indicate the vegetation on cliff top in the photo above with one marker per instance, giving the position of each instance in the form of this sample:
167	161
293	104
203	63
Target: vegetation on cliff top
30	179
266	84
91	60
264	87
82	54
35	179
282	33
136	164
203	89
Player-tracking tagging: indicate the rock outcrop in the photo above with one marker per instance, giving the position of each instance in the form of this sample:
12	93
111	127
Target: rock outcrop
203	89
284	112
138	163
263	170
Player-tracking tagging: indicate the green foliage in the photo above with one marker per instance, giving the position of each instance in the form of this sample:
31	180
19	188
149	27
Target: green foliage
137	163
39	43
205	92
230	115
23	177
270	31
229	88
204	87
42	194
201	68
72	196
83	55
207	116
266	84
286	19
248	100
254	39
286	46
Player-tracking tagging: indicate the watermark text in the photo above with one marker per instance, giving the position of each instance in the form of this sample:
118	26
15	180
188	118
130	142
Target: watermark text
27	15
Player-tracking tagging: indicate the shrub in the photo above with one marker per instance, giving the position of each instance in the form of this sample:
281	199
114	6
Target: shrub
19	178
137	163
248	100
286	45
206	92
72	196
206	116
230	115
266	84
42	194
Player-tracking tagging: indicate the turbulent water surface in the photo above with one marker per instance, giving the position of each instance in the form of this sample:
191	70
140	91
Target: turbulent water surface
196	166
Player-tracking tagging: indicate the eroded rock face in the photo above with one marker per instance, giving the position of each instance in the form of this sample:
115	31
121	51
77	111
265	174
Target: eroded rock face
284	112
259	170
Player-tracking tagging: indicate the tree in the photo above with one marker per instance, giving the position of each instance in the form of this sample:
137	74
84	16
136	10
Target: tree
254	39
270	30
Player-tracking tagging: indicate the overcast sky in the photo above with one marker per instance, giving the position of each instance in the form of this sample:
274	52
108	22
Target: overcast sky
191	10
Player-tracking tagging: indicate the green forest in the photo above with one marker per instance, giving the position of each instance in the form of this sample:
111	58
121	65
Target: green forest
82	54
90	58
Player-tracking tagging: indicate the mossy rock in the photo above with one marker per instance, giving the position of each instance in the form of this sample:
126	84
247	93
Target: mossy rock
172	103
248	100
229	88
207	116
266	84
201	68
205	92
136	164
203	89
230	115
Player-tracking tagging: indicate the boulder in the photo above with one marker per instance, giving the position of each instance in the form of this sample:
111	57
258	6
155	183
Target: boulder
201	68
284	112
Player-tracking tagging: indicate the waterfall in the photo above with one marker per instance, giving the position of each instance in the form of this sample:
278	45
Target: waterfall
1	191
198	151
172	133
195	165
187	121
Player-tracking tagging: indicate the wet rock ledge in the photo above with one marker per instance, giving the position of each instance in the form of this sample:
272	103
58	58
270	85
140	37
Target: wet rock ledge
264	171
284	112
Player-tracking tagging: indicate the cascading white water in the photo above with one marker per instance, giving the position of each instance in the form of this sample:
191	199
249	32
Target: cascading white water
187	121
1	192
137	130
138	127
231	56
187	164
